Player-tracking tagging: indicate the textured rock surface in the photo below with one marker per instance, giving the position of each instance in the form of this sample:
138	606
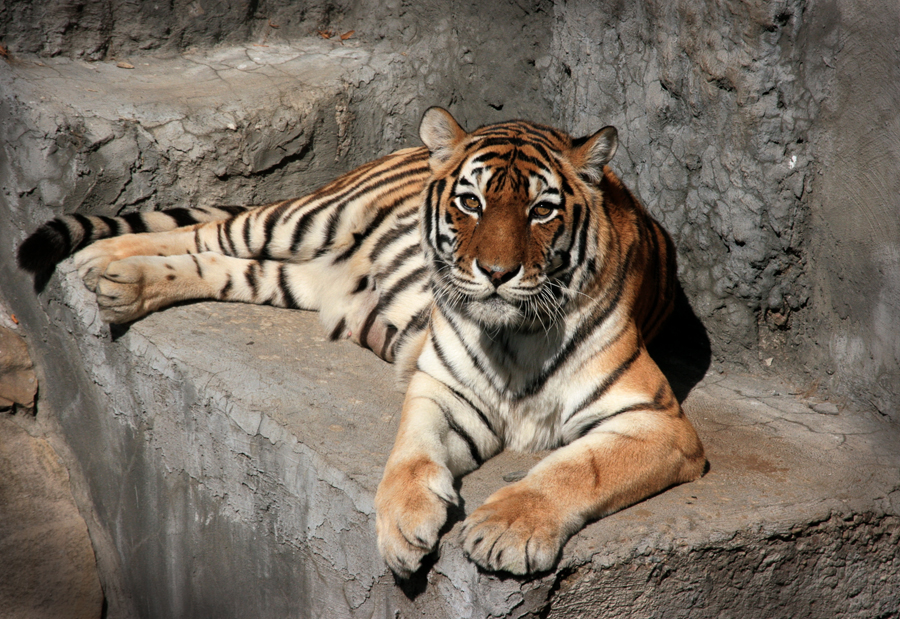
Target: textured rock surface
247	448
744	130
48	568
18	383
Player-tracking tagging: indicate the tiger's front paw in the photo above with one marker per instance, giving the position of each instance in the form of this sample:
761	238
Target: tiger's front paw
93	260
518	530
411	507
120	291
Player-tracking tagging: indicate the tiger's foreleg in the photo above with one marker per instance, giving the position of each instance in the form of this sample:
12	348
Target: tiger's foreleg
135	286
93	261
441	437
522	528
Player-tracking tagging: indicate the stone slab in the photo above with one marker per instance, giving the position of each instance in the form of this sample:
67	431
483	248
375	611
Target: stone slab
179	130
288	433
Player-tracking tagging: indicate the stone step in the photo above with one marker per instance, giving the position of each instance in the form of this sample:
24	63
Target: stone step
182	129
232	453
252	435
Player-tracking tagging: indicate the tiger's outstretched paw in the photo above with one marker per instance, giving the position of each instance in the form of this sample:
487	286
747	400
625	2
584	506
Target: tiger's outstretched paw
517	530
91	263
120	291
93	260
411	507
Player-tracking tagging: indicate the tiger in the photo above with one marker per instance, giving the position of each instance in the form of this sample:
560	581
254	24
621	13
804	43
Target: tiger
510	275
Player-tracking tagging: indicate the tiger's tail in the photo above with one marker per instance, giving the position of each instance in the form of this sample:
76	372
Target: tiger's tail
61	237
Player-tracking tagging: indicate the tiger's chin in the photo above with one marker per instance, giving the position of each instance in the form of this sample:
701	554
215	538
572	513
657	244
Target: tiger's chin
494	312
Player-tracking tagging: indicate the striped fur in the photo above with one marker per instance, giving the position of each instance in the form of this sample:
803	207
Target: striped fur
510	274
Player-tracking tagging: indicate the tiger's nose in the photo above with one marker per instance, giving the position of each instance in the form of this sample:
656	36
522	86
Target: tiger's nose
498	275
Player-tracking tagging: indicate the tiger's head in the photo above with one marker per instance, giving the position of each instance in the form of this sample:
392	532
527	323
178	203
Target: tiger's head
508	221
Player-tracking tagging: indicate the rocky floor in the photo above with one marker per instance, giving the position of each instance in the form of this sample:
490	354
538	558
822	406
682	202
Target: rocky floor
47	565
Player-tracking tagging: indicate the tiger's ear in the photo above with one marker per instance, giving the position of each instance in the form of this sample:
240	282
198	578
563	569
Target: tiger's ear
590	154
441	133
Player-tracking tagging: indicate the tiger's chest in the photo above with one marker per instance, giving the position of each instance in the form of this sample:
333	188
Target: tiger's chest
526	386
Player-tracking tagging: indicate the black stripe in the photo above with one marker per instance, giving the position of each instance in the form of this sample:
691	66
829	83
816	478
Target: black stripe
181	216
64	232
302	226
197	266
367	325
402	284
541	164
245	233
461	432
583	238
649	406
418	322
232	210
226	288
338	331
402	257
289	299
390	237
656	405
476	361
362	284
251	278
477	410
330	231
359	237
114	225
389	334
136	222
87	228
427	212
542	149
227	226
272	216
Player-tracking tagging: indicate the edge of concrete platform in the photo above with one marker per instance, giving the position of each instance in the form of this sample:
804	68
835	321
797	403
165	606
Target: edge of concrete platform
250	425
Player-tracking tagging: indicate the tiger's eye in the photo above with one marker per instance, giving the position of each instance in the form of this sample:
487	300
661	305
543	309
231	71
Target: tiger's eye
471	202
541	210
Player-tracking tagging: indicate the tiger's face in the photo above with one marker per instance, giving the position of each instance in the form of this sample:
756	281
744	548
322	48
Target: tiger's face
507	219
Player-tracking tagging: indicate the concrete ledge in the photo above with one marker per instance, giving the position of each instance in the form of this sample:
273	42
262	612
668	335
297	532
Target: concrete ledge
254	447
181	130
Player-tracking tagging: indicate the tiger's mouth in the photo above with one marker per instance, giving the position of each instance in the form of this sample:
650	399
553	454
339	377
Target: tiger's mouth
520	308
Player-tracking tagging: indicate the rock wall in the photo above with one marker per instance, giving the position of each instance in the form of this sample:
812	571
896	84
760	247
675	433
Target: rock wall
764	135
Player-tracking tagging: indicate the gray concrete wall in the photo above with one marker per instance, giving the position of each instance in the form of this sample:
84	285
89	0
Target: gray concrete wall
765	136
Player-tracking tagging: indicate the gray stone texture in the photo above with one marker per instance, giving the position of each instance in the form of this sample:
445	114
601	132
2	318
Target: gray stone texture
223	458
764	136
